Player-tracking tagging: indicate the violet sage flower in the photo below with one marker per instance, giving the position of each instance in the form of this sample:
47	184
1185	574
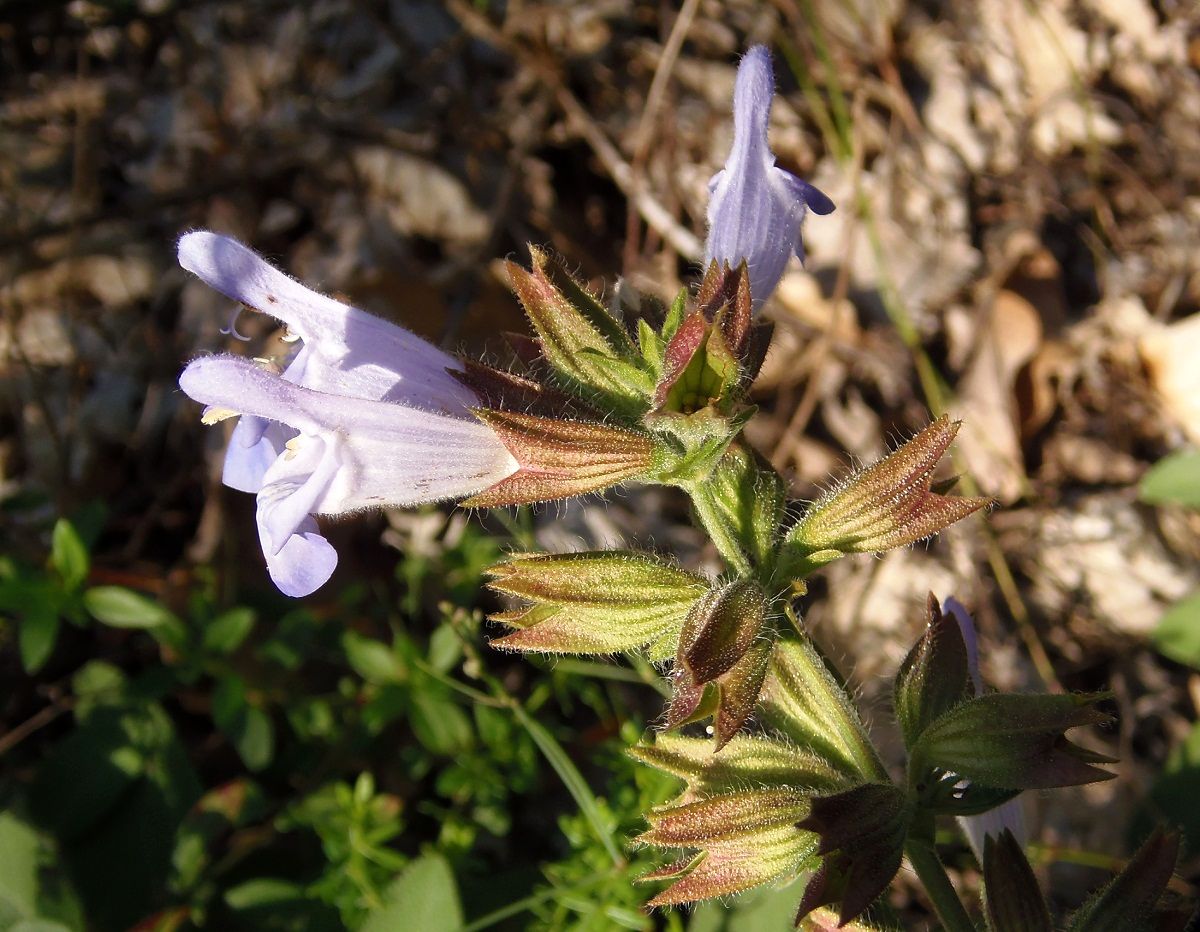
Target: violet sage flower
756	209
365	414
1008	815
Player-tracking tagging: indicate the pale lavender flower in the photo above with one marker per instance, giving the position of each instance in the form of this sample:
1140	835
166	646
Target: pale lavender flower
756	209
364	415
1009	815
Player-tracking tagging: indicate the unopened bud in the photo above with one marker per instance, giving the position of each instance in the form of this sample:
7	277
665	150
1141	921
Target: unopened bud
714	351
595	603
720	629
588	348
886	505
740	811
721	657
748	760
934	677
1135	898
1012	899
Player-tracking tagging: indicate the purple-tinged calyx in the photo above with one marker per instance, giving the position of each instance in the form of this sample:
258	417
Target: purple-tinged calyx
1008	816
756	209
887	505
365	414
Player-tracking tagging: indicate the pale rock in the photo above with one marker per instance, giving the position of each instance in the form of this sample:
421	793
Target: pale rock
1170	353
421	198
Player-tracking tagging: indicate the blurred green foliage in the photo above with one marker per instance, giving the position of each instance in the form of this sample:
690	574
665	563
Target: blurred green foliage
1174	481
179	759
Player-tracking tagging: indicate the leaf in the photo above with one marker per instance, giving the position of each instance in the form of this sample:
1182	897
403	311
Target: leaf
439	724
1178	633
1174	479
68	555
18	867
226	632
263	891
119	607
1173	794
86	774
115	802
373	661
424	896
253	734
271	903
248	728
38	635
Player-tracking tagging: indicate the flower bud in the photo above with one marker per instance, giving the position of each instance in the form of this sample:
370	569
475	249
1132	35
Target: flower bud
713	352
1012	899
1013	742
718	646
729	699
748	760
886	505
862	832
559	458
934	677
595	603
588	348
740	812
720	629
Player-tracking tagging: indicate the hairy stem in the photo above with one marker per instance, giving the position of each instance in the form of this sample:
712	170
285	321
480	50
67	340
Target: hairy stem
923	856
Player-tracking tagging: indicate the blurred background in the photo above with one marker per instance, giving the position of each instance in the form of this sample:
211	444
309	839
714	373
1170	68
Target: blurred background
1018	190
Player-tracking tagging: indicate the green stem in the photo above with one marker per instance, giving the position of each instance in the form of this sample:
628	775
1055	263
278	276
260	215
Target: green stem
719	531
922	855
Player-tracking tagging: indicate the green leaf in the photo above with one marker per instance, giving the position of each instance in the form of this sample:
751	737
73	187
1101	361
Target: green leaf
437	721
18	867
253	735
119	607
374	662
424	896
1174	479
68	555
38	634
249	729
114	792
1173	794
1178	633
86	774
226	632
263	891
270	904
